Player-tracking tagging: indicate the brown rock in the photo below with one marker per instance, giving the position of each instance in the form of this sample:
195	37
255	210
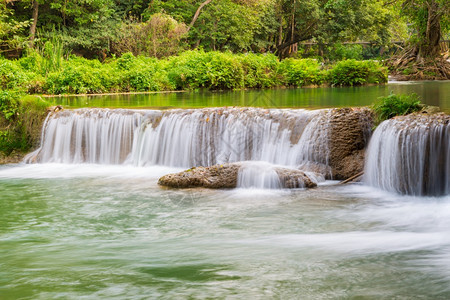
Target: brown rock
226	176
293	179
350	130
214	177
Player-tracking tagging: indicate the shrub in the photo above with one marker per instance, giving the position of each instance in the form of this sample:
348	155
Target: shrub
352	72
79	75
396	105
199	69
8	104
188	70
260	71
126	61
9	131
12	76
224	71
301	72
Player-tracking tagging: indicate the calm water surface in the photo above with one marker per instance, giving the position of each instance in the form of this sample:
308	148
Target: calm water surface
435	93
109	232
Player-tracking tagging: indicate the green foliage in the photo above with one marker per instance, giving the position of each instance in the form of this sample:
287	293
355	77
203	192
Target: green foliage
352	72
12	76
260	71
21	120
160	36
9	106
12	35
396	105
126	61
53	74
301	72
78	76
141	74
349	51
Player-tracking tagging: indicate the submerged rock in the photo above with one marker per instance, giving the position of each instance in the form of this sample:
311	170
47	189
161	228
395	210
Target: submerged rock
226	176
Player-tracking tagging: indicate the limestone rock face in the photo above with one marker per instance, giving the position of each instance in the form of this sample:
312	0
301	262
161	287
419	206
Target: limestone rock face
226	176
350	130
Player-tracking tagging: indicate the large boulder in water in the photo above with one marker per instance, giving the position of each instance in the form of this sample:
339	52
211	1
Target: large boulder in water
226	176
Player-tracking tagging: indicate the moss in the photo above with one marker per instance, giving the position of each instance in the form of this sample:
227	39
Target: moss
21	121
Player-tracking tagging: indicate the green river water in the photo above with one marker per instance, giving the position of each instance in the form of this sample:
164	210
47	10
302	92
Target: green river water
110	232
435	93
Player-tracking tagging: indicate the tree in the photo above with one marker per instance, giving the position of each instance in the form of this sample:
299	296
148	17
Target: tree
328	21
11	30
428	17
422	58
159	37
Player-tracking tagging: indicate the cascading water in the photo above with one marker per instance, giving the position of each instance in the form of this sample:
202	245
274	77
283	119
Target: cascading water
183	138
411	155
258	175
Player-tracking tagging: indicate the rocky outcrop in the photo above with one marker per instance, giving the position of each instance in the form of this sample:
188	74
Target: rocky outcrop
226	176
349	135
345	133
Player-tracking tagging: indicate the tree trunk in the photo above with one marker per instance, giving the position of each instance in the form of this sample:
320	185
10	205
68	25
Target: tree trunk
280	32
429	46
197	14
34	24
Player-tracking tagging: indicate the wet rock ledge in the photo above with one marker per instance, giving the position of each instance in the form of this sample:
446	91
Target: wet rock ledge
226	176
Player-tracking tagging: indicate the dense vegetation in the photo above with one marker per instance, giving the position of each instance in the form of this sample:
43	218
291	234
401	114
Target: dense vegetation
100	28
189	70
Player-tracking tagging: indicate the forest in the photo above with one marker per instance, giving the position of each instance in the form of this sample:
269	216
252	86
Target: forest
329	29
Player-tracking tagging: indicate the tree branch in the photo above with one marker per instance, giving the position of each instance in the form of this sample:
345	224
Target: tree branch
197	13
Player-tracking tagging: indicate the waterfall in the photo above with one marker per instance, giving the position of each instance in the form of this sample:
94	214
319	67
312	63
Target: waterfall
184	137
258	175
411	155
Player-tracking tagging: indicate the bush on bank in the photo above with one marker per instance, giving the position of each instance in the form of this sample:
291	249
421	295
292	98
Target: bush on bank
189	70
